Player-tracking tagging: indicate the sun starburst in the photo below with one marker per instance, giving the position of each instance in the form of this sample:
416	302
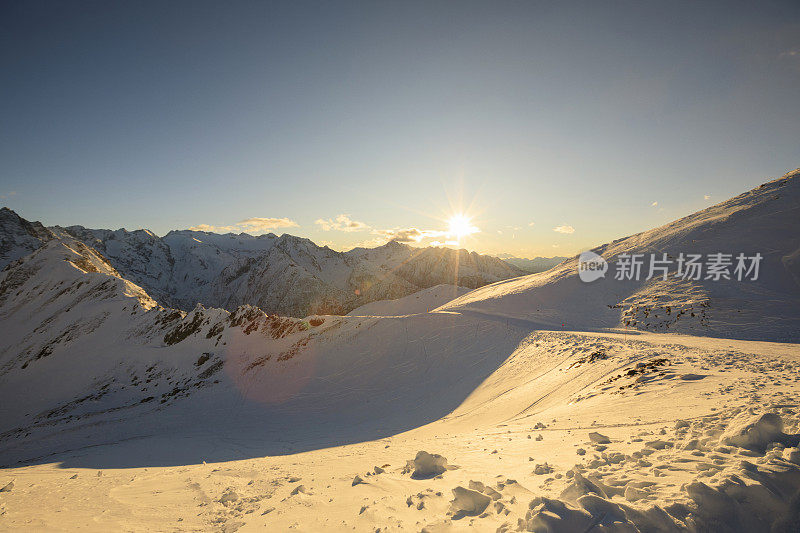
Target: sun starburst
460	226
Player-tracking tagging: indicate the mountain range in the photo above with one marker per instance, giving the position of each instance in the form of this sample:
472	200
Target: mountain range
284	275
532	266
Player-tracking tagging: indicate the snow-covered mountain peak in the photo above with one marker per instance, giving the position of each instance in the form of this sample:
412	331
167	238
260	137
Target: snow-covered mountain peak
18	237
285	274
241	243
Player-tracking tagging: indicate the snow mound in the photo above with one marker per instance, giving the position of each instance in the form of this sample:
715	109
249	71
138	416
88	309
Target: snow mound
426	465
469	502
756	432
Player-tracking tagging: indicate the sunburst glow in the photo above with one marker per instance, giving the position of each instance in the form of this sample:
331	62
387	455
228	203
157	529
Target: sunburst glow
460	225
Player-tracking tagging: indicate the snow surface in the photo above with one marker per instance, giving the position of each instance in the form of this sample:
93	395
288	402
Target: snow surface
765	220
420	302
119	414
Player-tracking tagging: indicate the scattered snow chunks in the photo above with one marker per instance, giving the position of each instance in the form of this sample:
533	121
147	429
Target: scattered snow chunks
756	498
603	511
659	444
713	503
633	494
489	491
614	458
469	502
476	485
680	424
418	500
546	515
599	438
792	455
581	486
755	433
228	497
427	465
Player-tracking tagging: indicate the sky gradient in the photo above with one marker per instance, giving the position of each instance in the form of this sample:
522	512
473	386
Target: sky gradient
555	126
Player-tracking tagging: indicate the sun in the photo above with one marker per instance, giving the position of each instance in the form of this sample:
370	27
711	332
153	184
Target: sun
459	226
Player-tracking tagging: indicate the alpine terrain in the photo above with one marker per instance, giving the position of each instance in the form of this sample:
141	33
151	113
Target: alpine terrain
212	382
283	275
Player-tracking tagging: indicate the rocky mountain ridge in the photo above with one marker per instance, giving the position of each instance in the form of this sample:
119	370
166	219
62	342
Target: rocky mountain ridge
285	275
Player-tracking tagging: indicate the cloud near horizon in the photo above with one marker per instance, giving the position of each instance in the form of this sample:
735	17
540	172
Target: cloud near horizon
342	222
564	229
408	234
249	225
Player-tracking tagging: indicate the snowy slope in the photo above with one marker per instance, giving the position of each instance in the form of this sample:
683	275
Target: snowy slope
131	416
765	220
420	302
547	431
86	354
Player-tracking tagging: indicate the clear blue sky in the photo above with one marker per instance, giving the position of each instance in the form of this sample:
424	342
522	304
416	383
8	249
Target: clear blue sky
170	115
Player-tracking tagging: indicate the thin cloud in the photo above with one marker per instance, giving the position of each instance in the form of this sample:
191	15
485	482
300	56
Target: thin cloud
209	228
418	235
265	224
564	229
342	222
370	243
248	225
408	234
